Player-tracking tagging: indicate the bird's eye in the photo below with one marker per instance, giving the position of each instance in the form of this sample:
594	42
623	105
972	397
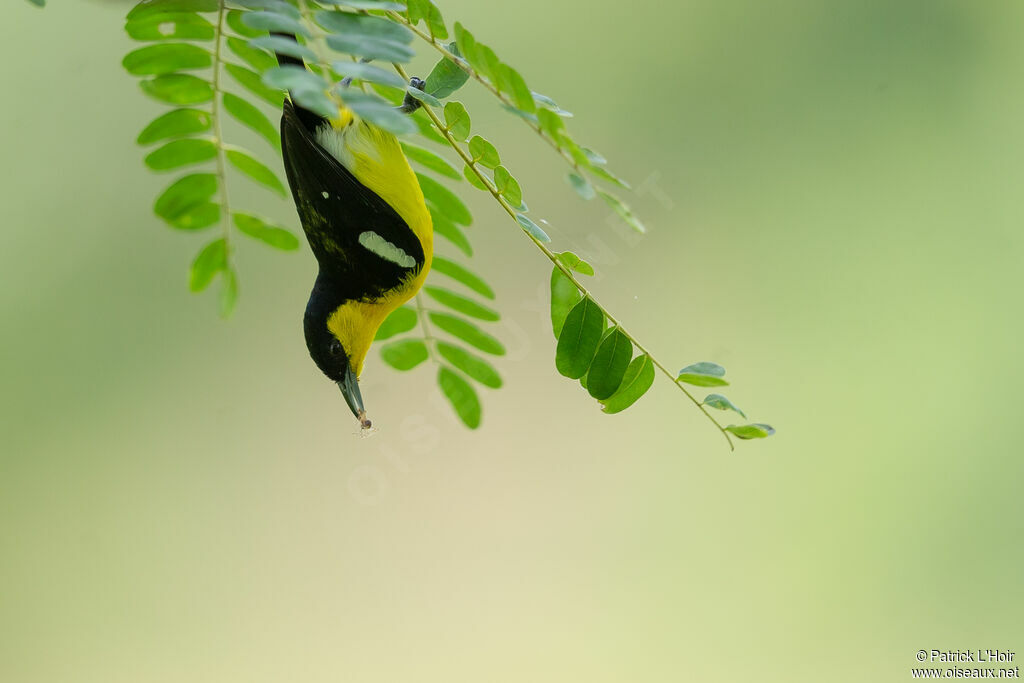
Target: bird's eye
335	347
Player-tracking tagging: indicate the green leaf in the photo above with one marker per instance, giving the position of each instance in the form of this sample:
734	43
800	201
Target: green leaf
444	200
564	296
609	365
185	195
345	23
428	12
366	36
401	320
463	305
490	66
422	97
368	4
285	46
517	88
508	186
275	23
625	213
176	26
202	216
460	274
369	73
178	89
471	364
152	8
284	7
271	235
165	58
550	104
473	178
297	80
568	144
532	228
234	18
703	374
593	157
722	403
446	77
582	186
248	115
638	378
251	81
461	395
467	332
456	120
212	259
38	3
466	43
370	48
174	124
245	163
379	111
575	263
451	232
525	115
551	123
254	57
404	354
180	153
754	430
609	176
579	339
483	152
427	159
228	292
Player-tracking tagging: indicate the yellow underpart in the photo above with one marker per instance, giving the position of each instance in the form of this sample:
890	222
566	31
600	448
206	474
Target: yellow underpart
375	158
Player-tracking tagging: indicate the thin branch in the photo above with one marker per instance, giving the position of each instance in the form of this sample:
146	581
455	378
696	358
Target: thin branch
454	144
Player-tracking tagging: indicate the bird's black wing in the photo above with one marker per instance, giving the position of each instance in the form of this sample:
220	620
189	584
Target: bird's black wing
335	209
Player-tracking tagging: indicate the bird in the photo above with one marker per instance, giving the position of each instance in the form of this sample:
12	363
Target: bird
363	212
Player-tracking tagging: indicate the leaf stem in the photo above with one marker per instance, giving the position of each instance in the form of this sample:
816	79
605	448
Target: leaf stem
421	313
221	171
477	76
454	144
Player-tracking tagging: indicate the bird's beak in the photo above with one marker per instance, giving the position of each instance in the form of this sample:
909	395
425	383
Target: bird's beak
349	386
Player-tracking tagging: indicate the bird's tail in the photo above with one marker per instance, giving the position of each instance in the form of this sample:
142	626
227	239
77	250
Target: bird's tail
309	119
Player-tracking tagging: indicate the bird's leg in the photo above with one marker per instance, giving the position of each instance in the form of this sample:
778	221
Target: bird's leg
410	103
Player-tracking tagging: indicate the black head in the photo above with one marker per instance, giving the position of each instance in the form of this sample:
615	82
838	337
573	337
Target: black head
328	352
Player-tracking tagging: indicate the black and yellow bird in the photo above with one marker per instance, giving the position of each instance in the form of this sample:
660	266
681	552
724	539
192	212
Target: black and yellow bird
363	212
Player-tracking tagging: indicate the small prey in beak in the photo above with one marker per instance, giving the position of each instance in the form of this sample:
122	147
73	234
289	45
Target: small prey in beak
349	386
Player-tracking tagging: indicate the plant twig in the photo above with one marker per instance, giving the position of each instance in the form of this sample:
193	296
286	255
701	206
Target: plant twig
455	145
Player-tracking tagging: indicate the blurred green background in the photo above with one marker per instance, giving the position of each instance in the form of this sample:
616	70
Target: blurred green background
833	196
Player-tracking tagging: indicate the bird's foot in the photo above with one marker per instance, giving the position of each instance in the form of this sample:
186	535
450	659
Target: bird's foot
410	103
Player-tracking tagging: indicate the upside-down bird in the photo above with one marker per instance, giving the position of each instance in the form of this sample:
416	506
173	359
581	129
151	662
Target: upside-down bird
362	210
